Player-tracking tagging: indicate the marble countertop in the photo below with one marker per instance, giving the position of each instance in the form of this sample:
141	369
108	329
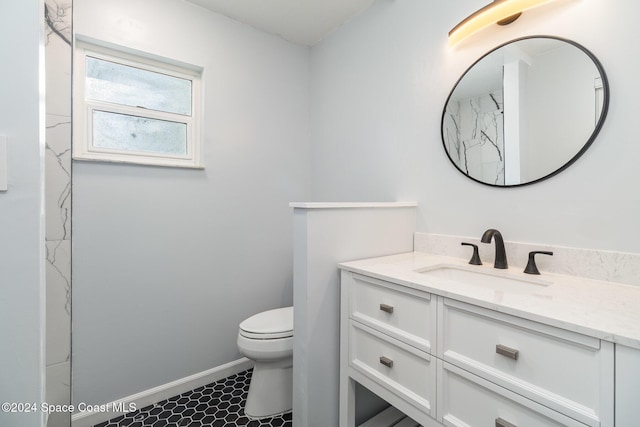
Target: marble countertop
605	310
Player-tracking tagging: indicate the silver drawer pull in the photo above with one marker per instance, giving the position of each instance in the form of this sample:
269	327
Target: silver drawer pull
386	308
511	353
386	362
502	423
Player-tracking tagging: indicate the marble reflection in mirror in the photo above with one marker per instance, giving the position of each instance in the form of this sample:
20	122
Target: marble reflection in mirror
525	111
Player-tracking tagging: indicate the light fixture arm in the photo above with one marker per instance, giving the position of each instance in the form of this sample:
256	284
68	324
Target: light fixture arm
502	12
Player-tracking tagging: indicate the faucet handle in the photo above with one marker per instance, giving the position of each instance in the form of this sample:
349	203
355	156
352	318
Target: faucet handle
475	258
531	267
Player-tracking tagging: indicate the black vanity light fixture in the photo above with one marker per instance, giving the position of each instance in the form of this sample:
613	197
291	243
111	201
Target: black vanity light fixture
501	12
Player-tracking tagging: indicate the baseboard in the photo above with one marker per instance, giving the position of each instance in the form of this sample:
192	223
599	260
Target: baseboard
160	393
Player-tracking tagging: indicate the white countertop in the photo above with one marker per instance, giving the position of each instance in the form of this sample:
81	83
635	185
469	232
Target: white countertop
604	310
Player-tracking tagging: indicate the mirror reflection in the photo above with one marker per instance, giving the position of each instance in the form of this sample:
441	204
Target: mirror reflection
525	111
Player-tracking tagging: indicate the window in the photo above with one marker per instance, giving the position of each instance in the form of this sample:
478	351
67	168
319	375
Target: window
129	108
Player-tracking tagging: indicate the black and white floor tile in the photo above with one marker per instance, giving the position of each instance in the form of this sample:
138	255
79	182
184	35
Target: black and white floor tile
220	404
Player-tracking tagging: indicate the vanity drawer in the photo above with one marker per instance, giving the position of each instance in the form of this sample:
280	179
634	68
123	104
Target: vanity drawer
396	366
468	400
403	313
568	372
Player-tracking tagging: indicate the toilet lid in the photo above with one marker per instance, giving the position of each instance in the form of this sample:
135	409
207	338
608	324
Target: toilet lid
269	324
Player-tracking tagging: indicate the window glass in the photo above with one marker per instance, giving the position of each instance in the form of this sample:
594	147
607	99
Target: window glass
121	84
129	108
132	133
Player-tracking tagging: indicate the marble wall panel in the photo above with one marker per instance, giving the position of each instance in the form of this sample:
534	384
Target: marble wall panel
58	273
58	59
58	175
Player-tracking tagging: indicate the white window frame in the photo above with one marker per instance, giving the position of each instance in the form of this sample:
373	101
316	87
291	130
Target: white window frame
83	148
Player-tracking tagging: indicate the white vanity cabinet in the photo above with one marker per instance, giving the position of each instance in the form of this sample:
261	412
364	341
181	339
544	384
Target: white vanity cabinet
627	386
469	400
446	362
565	377
386	344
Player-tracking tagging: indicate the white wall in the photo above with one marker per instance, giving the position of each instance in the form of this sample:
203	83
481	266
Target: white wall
167	262
22	254
378	87
323	237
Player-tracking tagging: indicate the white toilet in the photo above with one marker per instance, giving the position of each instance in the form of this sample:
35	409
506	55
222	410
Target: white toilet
267	338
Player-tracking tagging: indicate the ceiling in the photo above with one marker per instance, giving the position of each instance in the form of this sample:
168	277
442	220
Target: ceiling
304	22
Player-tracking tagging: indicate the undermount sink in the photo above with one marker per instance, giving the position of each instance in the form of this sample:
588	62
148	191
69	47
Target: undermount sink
496	280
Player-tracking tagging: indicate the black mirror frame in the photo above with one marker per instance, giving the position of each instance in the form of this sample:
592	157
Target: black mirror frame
585	147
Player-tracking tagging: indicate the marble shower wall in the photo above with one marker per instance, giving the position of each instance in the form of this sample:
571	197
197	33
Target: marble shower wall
58	57
474	136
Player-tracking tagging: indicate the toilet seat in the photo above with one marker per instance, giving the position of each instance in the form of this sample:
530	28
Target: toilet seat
268	325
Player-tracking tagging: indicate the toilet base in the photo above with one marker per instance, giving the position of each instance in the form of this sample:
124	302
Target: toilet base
270	391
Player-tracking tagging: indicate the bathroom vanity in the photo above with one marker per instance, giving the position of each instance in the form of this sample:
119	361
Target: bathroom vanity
453	344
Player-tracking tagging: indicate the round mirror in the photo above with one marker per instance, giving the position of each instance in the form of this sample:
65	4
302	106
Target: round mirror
525	111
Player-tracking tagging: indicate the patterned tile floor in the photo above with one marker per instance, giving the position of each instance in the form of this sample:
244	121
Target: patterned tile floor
220	404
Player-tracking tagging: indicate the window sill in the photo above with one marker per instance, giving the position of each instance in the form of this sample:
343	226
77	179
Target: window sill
139	161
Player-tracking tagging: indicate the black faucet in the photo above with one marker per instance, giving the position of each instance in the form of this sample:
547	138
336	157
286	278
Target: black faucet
501	255
532	268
